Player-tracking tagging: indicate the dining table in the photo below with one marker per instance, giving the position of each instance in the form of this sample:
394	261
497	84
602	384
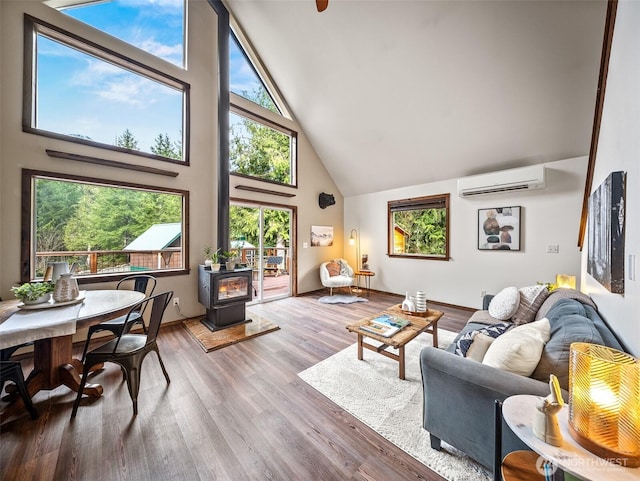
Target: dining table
51	328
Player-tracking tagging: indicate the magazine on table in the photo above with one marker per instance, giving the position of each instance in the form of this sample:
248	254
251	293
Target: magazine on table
385	325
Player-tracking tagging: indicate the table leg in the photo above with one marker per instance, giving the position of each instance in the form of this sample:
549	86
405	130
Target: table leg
401	361
435	334
360	356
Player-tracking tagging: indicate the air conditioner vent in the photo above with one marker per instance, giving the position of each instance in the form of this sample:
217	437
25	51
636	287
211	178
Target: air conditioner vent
524	178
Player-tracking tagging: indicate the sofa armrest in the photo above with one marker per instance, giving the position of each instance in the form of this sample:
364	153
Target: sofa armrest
459	396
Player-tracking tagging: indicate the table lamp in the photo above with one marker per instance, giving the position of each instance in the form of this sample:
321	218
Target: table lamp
564	280
604	402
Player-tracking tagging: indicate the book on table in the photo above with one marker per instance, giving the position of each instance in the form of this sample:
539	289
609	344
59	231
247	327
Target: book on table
385	325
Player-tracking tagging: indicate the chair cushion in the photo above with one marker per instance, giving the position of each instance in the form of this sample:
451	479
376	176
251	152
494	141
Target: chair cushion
505	303
333	268
531	298
519	350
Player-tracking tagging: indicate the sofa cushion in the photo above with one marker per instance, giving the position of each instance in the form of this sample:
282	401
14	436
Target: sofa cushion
531	298
519	349
565	329
333	268
608	337
559	294
505	303
482	317
464	342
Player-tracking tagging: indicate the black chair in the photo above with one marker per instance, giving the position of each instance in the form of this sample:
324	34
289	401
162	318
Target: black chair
12	371
142	283
129	350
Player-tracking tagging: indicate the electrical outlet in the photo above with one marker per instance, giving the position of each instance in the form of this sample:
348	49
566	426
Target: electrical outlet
176	301
483	293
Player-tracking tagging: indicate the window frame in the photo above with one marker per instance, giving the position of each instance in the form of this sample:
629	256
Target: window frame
293	153
419	203
28	213
34	27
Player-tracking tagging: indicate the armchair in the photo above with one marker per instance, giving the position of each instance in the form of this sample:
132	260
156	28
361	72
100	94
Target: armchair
336	273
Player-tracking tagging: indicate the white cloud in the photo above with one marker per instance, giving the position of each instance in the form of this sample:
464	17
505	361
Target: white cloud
171	53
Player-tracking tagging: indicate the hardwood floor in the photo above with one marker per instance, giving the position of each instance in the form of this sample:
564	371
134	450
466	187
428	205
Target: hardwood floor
240	413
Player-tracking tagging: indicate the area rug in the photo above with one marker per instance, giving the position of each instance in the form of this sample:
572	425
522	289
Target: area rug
373	393
341	299
212	340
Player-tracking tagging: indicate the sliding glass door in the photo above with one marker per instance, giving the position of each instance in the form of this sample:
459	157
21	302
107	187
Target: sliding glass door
261	235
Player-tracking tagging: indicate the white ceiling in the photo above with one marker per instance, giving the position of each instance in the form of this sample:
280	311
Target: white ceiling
394	93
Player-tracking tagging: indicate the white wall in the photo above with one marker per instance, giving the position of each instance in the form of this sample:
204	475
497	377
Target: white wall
549	216
619	149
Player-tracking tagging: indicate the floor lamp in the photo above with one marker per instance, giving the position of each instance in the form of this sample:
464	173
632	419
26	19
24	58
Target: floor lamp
354	239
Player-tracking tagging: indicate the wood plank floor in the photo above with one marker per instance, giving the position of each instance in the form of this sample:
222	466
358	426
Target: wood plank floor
240	413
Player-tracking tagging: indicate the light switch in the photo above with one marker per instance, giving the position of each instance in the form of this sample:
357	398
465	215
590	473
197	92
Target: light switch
553	248
632	267
305	245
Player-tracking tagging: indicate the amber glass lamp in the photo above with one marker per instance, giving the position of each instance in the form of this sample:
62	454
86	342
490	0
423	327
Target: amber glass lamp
604	402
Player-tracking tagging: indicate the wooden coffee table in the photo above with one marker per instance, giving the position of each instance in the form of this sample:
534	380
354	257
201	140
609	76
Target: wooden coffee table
399	340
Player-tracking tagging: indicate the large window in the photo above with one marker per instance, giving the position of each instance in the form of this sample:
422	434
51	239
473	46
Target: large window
81	92
419	227
157	27
260	148
109	229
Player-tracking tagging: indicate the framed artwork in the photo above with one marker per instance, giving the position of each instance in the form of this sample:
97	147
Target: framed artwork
606	223
499	229
321	235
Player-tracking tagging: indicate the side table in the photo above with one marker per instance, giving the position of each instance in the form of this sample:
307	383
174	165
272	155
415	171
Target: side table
519	411
367	280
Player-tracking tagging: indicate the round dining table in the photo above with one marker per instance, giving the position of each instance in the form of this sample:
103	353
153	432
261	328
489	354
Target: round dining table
51	328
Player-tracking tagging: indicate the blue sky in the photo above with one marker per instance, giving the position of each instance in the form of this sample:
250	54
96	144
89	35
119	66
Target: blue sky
81	95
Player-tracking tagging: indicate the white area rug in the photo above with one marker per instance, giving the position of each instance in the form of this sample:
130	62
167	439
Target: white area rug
341	299
373	393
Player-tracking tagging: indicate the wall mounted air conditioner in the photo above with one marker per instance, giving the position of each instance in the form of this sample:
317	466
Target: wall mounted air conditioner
523	178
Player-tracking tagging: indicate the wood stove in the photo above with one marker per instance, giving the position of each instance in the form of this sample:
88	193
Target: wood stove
224	294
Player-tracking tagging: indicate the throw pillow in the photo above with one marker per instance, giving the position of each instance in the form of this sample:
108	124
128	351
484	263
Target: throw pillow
519	350
333	268
479	347
531	298
505	303
555	355
464	342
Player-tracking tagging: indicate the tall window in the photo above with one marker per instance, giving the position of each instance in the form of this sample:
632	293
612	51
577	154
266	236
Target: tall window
157	27
81	92
260	146
107	228
419	227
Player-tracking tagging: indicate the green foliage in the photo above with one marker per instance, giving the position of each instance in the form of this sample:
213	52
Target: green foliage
166	147
258	150
30	291
243	221
127	140
427	230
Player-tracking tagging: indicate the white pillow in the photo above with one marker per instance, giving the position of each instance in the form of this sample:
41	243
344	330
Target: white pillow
505	303
519	349
479	346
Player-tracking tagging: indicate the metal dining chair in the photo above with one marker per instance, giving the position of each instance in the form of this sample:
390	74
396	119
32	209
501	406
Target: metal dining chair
12	371
129	350
142	283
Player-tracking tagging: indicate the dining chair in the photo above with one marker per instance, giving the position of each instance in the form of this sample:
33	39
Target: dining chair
129	350
12	371
142	283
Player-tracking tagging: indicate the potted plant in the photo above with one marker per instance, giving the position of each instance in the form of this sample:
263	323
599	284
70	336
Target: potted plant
230	258
33	292
211	259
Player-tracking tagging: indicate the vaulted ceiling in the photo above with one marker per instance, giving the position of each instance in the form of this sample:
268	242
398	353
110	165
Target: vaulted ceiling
394	93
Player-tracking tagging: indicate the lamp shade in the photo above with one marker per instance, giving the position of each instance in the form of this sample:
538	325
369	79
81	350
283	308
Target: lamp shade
604	402
564	280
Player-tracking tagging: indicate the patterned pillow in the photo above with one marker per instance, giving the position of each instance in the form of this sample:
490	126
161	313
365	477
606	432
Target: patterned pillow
466	340
505	303
333	268
531	298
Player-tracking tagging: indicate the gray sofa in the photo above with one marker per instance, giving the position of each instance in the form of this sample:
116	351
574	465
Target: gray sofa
460	394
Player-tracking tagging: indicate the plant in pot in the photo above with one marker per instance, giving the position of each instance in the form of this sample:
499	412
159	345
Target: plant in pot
33	292
230	258
211	259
